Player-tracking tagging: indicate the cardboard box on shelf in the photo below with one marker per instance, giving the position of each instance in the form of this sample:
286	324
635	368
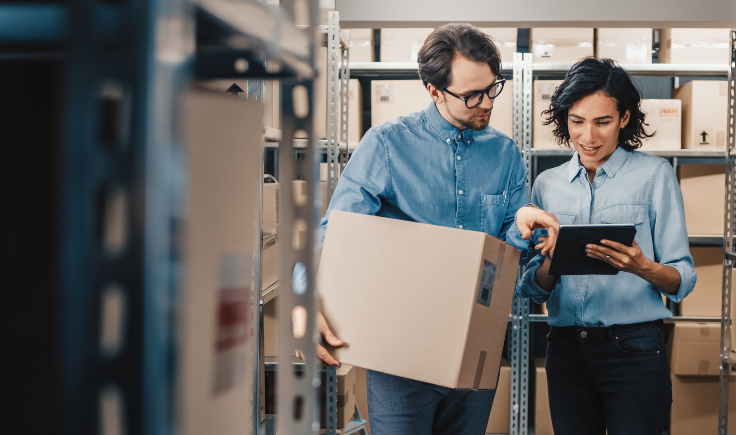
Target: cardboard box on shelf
695	404
402	45
463	280
222	141
704	113
502	117
269	260
272	103
271	328
500	419
703	190
542	418
505	40
542	134
694	348
705	300
665	118
270	210
700	46
625	46
361	45
361	396
561	45
394	98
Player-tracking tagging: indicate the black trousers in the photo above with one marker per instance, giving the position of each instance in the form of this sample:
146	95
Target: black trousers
615	378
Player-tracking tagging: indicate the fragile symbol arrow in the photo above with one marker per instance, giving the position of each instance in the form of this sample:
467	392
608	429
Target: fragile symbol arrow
704	134
234	89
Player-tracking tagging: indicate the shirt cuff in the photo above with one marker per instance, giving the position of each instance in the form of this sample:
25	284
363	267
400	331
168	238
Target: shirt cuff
688	277
527	287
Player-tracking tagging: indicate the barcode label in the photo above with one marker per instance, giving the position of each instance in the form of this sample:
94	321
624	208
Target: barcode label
487	278
546	96
385	98
384	93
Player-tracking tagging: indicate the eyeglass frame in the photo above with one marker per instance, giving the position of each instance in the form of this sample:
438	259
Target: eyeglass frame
502	82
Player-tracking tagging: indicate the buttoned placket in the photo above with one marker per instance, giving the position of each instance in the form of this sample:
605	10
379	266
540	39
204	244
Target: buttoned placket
460	190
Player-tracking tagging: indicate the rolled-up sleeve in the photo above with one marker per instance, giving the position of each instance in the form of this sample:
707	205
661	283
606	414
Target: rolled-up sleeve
527	287
669	233
518	195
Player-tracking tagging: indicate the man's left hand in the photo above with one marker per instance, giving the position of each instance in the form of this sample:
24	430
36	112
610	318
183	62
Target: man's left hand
531	218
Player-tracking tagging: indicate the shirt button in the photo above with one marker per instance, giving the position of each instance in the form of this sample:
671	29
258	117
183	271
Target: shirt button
460	136
459	158
447	140
460	226
583	334
460	192
468	141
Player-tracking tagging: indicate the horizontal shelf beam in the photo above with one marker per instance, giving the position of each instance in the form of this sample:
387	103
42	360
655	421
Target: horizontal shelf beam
543	318
371	69
687	153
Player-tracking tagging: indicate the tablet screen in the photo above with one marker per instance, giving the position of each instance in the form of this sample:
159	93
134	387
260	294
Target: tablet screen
570	257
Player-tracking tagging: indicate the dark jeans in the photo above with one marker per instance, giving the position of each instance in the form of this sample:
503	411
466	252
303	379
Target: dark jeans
403	406
614	378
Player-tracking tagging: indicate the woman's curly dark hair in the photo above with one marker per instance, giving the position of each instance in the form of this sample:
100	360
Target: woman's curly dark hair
587	77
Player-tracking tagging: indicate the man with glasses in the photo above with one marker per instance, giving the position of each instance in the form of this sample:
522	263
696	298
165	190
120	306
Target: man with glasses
442	166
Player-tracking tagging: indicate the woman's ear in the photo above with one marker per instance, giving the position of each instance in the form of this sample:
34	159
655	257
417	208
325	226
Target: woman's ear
625	119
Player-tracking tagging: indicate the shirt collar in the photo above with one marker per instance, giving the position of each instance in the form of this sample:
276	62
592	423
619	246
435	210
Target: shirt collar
446	131
610	167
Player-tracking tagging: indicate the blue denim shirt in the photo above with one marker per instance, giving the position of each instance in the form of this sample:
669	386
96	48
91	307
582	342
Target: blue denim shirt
630	187
421	168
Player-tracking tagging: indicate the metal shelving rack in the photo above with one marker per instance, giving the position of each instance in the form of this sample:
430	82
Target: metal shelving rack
728	354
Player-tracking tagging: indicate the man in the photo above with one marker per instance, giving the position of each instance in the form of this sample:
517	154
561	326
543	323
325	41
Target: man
442	166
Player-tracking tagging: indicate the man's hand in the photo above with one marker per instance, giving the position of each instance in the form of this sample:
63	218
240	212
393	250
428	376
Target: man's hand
531	218
299	320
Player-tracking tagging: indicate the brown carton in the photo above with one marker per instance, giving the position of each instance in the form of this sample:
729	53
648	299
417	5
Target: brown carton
626	46
500	419
561	45
361	45
703	191
345	395
394	98
542	418
665	120
361	395
222	137
694	349
704	110
701	46
402	45
433	302
705	300
695	404
542	134
270	211
502	116
505	40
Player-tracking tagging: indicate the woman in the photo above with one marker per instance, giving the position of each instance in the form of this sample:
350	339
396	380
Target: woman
606	357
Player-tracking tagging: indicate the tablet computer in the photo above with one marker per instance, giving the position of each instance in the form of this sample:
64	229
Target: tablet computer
570	257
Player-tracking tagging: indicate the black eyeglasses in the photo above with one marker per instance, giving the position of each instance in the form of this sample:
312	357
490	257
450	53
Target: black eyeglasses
473	100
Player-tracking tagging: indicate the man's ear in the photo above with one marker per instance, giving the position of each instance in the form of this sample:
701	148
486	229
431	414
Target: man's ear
435	94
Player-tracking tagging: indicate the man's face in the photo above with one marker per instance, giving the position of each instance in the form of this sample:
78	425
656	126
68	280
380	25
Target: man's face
467	77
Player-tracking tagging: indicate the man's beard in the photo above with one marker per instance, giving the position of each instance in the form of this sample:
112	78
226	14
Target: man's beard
473	123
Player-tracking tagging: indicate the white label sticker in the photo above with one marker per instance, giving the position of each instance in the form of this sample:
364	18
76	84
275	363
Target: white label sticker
485	290
384	94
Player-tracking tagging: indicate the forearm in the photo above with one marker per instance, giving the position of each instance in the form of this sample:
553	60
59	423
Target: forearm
542	276
665	278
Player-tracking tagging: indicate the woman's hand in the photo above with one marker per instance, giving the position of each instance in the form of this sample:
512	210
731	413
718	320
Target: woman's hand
622	257
632	260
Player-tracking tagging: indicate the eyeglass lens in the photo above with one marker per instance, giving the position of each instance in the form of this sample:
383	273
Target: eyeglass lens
475	99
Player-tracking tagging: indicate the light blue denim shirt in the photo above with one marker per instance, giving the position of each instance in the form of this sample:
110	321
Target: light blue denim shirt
630	187
421	168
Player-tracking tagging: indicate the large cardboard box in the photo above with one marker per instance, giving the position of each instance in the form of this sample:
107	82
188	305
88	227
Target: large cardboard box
434	301
361	396
402	45
626	46
665	118
694	348
704	113
361	45
542	134
502	117
561	45
704	192
701	46
270	210
222	137
505	40
499	421
394	98
269	260
705	300
695	404
542	418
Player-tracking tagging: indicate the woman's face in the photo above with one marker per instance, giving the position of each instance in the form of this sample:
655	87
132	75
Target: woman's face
594	124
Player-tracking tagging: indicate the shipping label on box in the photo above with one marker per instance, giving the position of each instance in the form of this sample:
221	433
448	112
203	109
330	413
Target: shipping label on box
422	282
542	136
665	119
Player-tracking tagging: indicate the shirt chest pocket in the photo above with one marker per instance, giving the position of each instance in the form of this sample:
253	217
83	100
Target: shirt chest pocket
492	213
623	214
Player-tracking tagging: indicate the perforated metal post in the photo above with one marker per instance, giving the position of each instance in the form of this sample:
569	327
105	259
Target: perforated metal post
344	105
298	390
333	101
729	247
